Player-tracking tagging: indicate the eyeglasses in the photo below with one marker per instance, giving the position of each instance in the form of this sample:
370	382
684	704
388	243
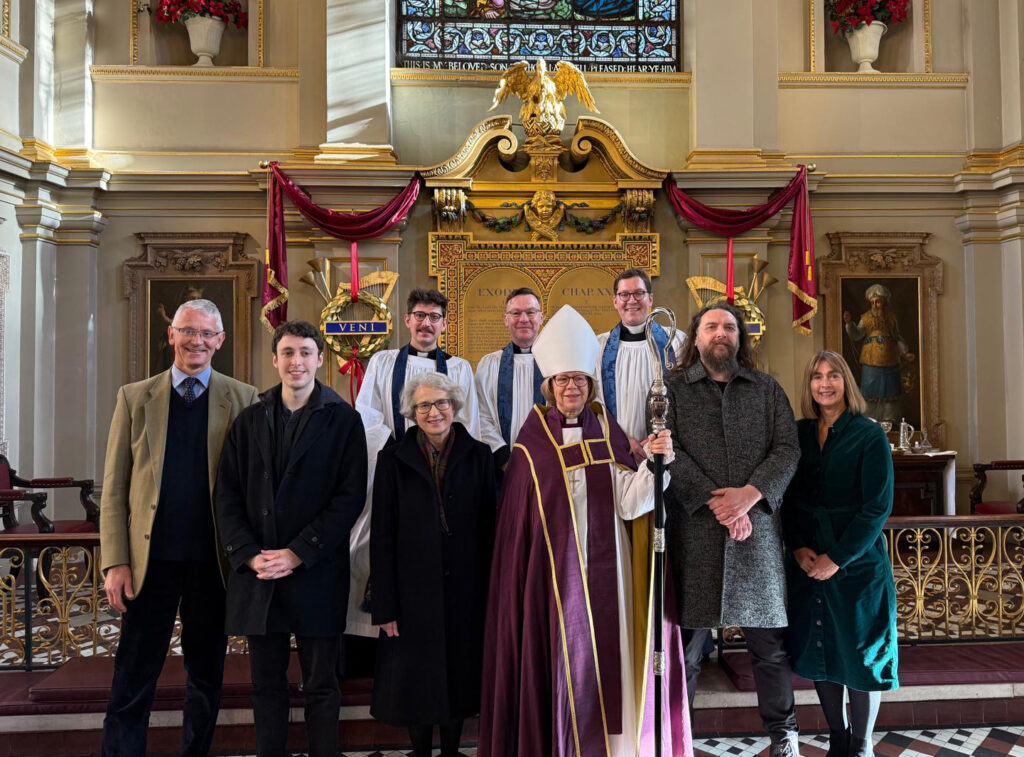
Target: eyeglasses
424	407
637	295
514	314
580	381
190	333
420	316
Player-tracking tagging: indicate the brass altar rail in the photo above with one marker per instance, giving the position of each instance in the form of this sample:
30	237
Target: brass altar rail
56	609
958	579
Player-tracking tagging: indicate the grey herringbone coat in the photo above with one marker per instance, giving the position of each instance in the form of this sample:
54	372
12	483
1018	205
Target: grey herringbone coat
742	435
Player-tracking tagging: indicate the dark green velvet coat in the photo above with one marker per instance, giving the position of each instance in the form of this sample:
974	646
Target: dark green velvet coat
843	629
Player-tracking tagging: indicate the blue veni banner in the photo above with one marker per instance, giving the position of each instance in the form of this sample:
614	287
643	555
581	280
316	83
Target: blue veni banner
332	328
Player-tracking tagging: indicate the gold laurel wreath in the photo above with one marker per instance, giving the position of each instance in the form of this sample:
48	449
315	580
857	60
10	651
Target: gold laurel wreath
366	344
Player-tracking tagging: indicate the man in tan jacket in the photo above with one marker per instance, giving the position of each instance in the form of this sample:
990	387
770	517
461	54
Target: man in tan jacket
157	533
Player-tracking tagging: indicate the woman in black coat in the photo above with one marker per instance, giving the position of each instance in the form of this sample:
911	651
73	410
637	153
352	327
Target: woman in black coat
431	539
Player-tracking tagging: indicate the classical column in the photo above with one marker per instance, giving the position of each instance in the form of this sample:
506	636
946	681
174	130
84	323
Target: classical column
734	100
73	54
359	42
37	86
993	282
58	324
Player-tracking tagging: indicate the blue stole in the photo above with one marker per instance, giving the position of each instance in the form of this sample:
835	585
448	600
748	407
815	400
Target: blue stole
611	354
506	370
398	383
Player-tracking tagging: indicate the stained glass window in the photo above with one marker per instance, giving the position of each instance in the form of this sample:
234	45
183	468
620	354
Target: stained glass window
597	35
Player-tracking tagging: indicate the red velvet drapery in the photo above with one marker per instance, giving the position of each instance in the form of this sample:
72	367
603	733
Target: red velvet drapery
348	226
732	223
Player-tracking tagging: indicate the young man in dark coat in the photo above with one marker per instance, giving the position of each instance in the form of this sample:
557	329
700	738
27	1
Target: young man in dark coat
292	482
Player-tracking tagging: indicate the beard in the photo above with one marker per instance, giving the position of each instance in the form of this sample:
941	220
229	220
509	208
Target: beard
720	362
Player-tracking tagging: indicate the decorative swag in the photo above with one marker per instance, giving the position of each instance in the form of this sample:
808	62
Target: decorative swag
348	226
732	223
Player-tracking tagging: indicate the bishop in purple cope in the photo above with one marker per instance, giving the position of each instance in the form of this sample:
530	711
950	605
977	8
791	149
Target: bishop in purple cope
567	651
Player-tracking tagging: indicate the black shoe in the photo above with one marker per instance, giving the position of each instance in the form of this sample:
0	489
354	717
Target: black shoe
838	743
861	747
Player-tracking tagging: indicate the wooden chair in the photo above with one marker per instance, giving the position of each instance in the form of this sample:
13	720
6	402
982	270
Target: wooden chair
994	507
14	489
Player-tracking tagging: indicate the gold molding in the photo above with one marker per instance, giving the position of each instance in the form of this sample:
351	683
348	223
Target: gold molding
426	76
987	161
724	159
12	49
133	34
129	74
851	79
5	19
342	153
927	5
810	39
37	151
926	10
74	157
133	42
259	35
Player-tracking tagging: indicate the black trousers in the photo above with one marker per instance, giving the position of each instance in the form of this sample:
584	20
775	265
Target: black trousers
773	674
146	629
318	658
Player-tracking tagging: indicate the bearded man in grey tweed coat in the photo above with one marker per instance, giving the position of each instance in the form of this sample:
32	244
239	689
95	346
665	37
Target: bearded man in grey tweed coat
736	450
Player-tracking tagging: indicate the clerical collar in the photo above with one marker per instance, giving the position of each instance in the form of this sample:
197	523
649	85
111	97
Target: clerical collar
631	333
570	421
517	350
432	355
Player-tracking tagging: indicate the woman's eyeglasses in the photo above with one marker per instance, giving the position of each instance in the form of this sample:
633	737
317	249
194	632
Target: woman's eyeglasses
579	381
424	407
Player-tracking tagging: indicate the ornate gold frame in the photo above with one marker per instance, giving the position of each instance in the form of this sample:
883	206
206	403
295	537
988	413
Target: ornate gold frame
190	257
458	259
133	43
889	255
926	10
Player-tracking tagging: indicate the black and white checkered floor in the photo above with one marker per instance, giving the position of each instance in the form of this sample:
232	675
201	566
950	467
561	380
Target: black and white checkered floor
997	741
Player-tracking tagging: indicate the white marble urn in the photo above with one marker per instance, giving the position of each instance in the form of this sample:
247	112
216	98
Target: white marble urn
204	35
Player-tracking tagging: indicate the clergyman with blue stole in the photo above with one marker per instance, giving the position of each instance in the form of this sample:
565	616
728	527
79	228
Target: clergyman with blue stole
626	366
508	380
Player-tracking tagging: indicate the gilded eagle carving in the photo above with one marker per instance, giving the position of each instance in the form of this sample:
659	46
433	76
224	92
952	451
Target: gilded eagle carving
543	110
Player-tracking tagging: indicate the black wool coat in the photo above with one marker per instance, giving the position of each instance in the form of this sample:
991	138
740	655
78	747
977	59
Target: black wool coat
433	584
321	493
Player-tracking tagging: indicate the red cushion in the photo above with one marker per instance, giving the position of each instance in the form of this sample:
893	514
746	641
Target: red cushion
73	527
923	665
23	528
996	507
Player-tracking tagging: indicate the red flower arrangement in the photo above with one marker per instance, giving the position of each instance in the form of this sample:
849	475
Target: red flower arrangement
171	11
847	15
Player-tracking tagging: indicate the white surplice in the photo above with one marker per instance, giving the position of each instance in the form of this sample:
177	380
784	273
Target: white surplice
374	405
634	372
487	397
634	496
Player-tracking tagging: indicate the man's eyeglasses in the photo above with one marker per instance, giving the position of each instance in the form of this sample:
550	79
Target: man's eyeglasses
514	314
424	407
190	333
580	381
420	316
637	296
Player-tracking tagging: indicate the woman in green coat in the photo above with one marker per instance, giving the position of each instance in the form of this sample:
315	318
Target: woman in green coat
842	600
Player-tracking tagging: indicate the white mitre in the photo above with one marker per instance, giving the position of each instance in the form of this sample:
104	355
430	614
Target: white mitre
566	343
